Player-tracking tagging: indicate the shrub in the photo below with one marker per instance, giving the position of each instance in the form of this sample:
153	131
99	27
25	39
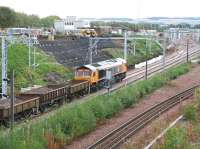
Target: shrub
111	105
190	113
126	98
140	52
197	94
97	107
24	75
175	138
174	72
77	119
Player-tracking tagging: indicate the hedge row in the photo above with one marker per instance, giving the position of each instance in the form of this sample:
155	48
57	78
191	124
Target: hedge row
77	119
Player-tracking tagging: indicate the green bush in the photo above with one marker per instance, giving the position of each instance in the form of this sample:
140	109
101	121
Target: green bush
25	75
190	113
197	94
140	52
111	105
175	138
126	97
25	138
173	73
83	120
77	119
97	107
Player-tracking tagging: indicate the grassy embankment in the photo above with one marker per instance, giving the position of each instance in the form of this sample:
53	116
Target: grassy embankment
140	54
186	135
26	76
76	119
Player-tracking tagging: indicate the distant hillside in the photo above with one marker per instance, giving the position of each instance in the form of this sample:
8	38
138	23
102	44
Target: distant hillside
186	18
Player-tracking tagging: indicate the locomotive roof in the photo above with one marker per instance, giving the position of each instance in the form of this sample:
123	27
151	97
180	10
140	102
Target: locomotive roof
91	67
110	63
105	64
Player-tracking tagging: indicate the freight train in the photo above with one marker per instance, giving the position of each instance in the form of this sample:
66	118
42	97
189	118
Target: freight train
87	78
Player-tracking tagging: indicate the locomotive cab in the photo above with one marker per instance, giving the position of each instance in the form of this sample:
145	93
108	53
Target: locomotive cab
86	73
96	73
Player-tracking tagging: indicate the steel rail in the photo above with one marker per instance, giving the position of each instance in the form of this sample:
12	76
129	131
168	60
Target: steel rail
153	70
119	135
135	77
158	63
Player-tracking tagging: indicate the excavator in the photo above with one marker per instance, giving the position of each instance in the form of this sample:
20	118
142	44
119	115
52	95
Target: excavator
88	33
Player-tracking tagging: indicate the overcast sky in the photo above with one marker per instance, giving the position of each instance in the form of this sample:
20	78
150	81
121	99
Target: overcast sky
107	8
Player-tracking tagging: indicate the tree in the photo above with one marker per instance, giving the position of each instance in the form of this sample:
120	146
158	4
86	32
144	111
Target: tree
7	17
21	20
33	21
48	21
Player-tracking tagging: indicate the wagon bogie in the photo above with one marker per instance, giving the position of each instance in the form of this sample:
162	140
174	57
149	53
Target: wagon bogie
45	105
24	106
78	86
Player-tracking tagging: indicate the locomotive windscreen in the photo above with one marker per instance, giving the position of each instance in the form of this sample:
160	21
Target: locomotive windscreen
82	72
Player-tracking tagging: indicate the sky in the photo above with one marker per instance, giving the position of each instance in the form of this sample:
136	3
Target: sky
107	8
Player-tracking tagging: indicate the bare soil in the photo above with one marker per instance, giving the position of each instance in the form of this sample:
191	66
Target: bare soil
54	78
172	88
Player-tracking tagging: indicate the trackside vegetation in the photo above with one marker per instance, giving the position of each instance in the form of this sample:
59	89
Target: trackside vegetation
76	119
27	76
185	135
142	47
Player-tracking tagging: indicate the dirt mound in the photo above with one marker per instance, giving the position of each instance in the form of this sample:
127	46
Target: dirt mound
54	78
73	53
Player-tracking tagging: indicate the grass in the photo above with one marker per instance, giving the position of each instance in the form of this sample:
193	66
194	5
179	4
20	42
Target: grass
76	119
185	135
175	139
140	47
190	113
26	76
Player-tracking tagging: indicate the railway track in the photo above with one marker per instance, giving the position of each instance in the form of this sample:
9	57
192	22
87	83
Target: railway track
171	59
155	68
118	136
133	76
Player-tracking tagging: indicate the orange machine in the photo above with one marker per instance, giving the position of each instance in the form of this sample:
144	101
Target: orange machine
97	73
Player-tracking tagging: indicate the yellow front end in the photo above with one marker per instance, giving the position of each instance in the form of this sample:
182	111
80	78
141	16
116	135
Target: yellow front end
86	74
124	67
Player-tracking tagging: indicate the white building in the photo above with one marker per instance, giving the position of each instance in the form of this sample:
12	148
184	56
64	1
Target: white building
70	23
178	33
146	33
82	24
